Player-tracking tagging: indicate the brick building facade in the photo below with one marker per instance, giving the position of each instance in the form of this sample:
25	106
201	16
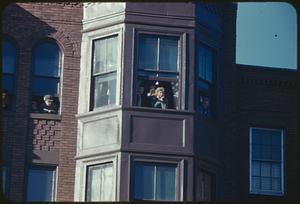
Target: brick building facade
106	140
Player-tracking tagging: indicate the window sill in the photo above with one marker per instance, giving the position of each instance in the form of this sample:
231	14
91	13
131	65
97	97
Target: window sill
157	110
47	116
265	194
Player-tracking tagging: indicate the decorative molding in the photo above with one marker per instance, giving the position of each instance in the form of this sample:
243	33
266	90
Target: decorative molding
71	4
251	80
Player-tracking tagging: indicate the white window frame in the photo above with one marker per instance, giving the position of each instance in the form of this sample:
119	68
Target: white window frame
98	35
260	192
85	163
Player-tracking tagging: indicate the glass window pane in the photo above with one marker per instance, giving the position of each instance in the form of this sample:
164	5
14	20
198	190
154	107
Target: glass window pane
256	151
168	54
8	83
42	86
112	53
276	138
276	153
105	90
205	63
266	138
147	53
265	183
266	169
165	182
40	184
144	181
99	56
46	60
256	138
276	184
266	152
256	182
100	183
276	170
8	57
256	168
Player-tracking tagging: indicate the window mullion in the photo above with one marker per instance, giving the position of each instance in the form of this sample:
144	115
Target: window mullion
158	51
154	186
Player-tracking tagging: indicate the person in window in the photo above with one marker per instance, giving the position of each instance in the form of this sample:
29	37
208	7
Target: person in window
151	97
161	100
205	107
5	101
49	106
35	107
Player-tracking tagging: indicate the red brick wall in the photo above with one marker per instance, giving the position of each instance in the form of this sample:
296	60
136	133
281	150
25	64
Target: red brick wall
28	23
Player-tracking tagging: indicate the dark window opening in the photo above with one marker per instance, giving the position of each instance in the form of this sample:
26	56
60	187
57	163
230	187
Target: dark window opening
155	181
46	78
8	72
158	72
205	82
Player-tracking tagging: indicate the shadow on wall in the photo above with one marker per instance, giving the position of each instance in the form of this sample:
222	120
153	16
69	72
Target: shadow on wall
24	27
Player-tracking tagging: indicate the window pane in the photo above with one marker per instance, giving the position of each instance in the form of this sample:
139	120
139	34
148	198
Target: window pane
276	153
256	168
256	182
112	53
266	152
100	183
8	57
105	55
46	60
165	182
40	185
147	52
168	54
105	90
265	183
266	138
144	181
276	184
276	138
205	63
276	170
256	151
266	169
8	83
42	86
99	56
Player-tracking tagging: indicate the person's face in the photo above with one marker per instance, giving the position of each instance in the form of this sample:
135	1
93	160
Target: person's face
48	102
161	93
205	103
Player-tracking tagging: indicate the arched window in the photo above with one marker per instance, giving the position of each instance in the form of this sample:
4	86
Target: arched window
46	65
8	71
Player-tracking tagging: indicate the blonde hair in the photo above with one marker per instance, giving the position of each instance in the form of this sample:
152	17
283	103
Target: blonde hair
158	89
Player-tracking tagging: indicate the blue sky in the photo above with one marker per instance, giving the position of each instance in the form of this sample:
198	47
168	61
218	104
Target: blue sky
267	35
